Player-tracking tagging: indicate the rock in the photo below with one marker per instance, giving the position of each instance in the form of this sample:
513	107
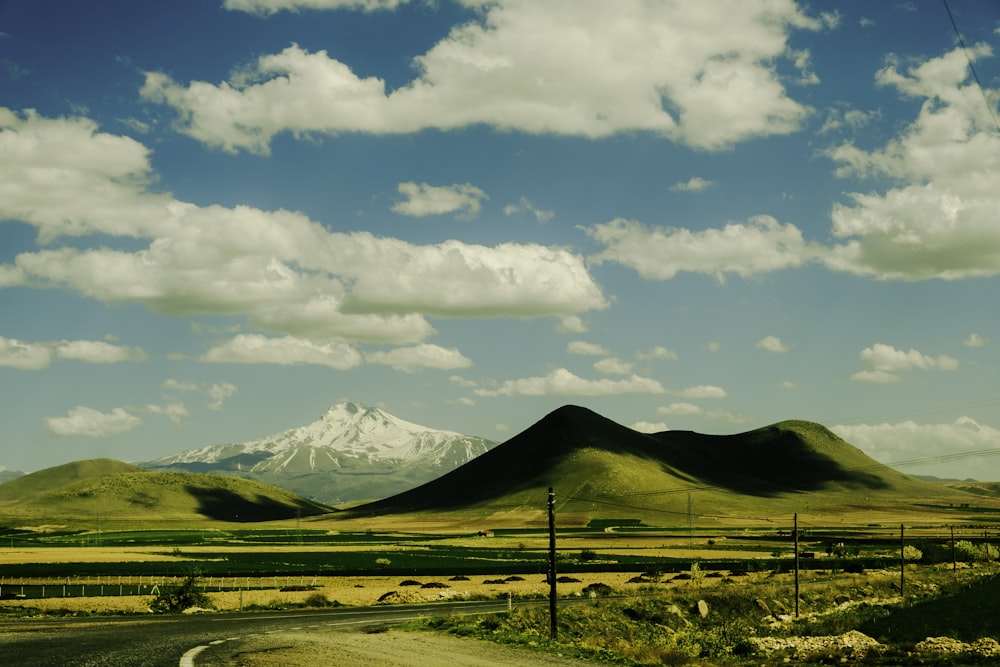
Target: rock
985	647
702	608
853	645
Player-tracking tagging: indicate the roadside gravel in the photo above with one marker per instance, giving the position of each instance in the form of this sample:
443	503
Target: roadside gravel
392	648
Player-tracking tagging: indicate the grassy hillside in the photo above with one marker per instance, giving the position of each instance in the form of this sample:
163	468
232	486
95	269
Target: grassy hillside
37	483
119	491
600	468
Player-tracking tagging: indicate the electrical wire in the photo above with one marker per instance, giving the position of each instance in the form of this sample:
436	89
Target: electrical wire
972	67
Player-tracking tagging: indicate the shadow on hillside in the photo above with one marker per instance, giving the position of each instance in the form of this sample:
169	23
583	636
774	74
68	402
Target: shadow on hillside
968	615
224	505
764	463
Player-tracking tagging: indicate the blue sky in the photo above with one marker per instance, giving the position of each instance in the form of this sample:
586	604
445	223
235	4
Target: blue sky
219	218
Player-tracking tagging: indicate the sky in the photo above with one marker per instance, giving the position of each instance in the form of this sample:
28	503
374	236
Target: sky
218	218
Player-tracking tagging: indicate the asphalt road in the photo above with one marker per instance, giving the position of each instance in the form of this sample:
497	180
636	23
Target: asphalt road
176	641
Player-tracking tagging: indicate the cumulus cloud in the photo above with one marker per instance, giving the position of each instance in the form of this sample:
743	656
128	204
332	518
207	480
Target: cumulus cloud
702	391
962	449
684	409
975	340
702	75
562	382
585	348
36	356
420	357
613	366
659	253
693	184
772	344
679	409
658	353
266	7
83	421
24	356
525	205
882	363
571	324
423	200
285	351
648	427
219	392
939	219
98	352
174	411
283	272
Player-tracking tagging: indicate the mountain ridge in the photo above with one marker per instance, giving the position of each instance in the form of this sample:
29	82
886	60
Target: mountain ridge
352	452
593	461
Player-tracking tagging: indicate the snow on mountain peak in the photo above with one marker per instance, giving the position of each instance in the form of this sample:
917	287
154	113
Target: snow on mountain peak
347	431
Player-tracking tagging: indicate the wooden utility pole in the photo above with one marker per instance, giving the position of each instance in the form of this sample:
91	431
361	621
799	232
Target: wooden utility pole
954	564
795	532
902	566
553	631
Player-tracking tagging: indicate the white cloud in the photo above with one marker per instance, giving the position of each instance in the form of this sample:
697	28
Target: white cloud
659	253
171	383
571	324
772	344
945	450
265	7
24	356
705	75
174	411
702	391
613	366
420	357
98	352
648	427
562	382
975	340
525	205
286	351
282	271
882	362
693	184
423	200
588	349
680	409
940	219
219	392
658	353
83	421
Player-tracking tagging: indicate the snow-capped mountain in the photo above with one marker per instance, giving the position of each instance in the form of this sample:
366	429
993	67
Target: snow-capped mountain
353	452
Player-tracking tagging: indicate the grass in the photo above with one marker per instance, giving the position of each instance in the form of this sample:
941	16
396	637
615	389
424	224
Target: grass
669	628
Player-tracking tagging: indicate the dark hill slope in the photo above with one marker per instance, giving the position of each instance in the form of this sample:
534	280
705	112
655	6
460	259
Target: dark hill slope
603	467
118	491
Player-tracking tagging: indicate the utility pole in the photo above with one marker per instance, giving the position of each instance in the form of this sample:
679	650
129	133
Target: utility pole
795	544
954	564
690	523
553	631
902	565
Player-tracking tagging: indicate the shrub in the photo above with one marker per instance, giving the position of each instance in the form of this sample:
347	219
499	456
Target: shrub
175	599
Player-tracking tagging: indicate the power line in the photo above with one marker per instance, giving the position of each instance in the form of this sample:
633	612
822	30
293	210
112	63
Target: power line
972	67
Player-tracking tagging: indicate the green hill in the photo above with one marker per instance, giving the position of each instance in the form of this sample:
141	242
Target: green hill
119	491
599	468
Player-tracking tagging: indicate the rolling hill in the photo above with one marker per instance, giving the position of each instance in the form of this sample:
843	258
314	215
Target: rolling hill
600	468
117	491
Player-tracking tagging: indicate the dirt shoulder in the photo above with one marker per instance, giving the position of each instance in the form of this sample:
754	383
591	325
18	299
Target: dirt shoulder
392	648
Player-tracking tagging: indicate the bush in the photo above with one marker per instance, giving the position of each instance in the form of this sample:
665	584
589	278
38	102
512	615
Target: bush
175	599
